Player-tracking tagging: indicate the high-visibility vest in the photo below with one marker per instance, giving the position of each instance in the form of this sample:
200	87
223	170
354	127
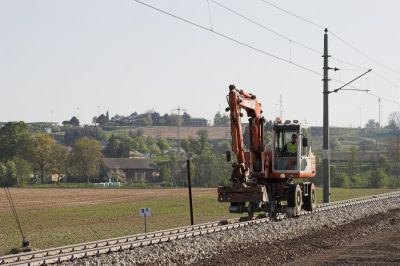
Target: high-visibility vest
292	147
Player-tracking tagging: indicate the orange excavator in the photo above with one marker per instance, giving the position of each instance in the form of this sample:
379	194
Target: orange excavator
275	181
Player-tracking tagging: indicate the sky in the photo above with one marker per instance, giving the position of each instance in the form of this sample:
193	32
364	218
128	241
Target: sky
84	57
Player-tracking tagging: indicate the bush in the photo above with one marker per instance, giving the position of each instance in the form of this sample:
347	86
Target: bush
8	174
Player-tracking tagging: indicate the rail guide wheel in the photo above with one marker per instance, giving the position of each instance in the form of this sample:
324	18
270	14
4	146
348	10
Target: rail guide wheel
295	198
251	207
310	200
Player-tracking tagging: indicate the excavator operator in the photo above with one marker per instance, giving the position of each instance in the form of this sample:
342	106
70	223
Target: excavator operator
291	147
291	150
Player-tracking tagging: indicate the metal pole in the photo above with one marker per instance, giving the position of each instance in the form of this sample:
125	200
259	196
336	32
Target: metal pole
178	132
397	156
379	112
190	191
326	163
145	223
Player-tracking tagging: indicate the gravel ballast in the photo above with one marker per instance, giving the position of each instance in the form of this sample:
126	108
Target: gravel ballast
219	247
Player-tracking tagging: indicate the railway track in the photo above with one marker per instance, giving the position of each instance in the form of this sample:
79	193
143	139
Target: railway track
67	253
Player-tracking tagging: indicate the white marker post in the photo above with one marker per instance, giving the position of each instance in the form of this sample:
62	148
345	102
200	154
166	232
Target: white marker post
144	212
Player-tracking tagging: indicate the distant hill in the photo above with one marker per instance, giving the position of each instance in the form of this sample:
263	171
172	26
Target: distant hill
214	133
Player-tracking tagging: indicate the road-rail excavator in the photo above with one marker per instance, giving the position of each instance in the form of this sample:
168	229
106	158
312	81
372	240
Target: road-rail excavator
275	181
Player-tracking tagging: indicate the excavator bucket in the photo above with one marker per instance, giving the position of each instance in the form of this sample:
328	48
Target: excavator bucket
242	194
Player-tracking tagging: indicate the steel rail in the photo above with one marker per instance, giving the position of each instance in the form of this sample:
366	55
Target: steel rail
66	253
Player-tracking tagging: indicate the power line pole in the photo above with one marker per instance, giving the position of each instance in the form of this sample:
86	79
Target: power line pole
178	128
178	138
280	106
379	113
397	156
326	161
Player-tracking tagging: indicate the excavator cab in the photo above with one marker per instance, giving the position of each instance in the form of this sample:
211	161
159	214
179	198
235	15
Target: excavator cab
292	155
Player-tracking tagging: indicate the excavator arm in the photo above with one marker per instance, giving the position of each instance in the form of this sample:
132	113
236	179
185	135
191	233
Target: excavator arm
245	166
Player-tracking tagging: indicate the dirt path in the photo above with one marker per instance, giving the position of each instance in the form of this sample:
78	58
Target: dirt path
374	240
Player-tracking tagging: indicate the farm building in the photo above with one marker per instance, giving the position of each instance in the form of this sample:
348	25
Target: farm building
199	122
340	159
135	169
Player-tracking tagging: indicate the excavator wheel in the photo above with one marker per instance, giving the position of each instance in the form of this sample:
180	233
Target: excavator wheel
295	198
310	201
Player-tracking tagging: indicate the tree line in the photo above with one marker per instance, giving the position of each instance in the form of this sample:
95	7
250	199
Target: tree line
27	157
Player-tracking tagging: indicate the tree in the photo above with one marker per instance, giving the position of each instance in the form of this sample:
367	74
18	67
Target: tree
42	145
154	150
217	119
59	157
8	174
113	148
144	121
15	140
221	120
23	170
140	144
102	119
225	121
74	133
163	145
155	117
116	175
152	145
372	124
187	119
203	139
85	158
394	121
74	121
222	147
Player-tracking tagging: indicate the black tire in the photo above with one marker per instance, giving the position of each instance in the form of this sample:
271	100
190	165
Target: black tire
310	201
291	198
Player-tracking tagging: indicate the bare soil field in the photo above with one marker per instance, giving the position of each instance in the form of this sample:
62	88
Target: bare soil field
45	198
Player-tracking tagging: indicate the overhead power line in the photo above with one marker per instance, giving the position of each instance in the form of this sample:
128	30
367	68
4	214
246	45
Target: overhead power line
335	35
364	54
284	36
266	28
386	79
294	15
230	38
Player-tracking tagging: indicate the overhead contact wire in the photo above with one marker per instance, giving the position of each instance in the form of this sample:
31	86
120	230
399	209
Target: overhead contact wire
336	36
230	38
